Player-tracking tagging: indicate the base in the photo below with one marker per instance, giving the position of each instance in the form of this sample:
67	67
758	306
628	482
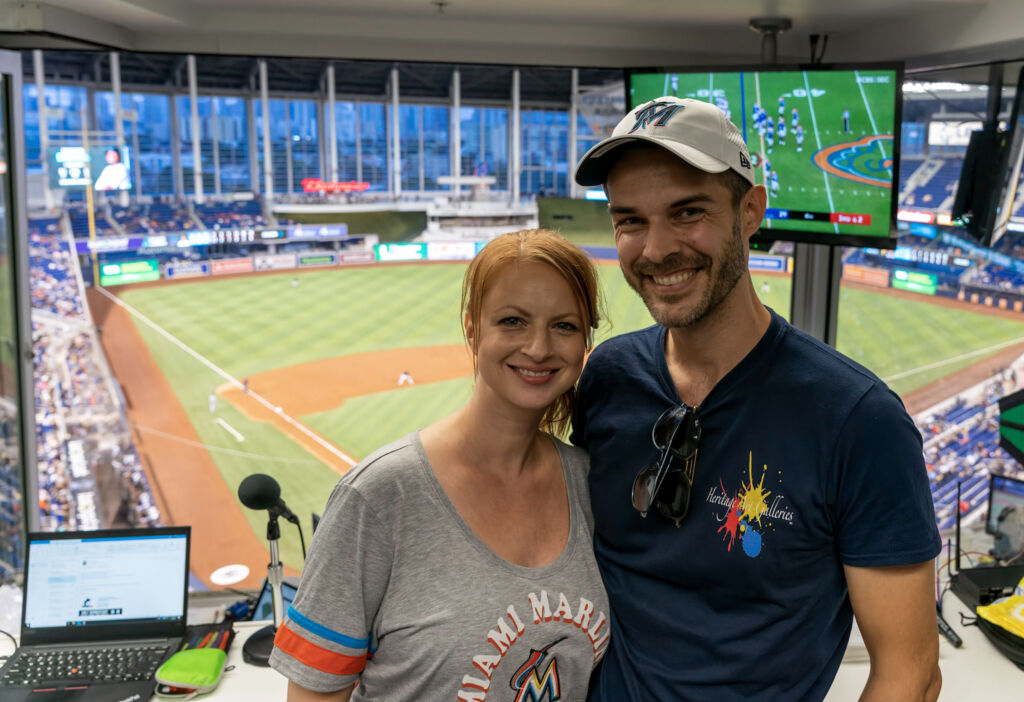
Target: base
257	648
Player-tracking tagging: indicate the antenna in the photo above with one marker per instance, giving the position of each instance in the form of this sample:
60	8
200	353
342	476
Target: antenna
958	526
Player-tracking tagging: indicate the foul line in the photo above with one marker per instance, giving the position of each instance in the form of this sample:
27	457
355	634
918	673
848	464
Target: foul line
871	117
221	449
817	138
230	429
319	440
961	357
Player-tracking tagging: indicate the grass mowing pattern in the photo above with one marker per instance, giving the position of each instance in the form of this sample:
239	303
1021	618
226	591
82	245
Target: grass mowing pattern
249	325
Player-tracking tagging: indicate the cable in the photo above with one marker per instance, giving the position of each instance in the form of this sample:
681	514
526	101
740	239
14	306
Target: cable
302	540
13	640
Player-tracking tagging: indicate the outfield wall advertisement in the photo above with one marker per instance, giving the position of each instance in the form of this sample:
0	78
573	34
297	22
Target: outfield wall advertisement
231	265
274	262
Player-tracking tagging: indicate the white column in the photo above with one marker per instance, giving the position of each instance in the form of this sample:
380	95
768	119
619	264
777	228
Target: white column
177	170
215	139
115	86
197	162
359	142
268	166
44	129
574	110
332	125
396	137
250	128
517	138
419	132
456	130
289	173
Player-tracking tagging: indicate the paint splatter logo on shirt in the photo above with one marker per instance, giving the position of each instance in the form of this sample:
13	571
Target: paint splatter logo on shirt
746	514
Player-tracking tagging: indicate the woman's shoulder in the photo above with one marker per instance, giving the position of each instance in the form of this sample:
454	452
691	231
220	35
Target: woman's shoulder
575	459
386	469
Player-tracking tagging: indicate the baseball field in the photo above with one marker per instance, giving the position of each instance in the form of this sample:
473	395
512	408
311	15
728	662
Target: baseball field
296	375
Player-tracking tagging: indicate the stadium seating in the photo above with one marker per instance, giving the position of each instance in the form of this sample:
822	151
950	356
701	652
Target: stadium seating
231	215
73	398
931	194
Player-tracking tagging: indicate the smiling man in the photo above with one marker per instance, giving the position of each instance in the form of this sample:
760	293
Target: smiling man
753	489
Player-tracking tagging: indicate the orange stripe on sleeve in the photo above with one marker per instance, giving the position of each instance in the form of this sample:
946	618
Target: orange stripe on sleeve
317	657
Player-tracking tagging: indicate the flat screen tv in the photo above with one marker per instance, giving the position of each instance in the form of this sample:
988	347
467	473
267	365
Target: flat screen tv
825	140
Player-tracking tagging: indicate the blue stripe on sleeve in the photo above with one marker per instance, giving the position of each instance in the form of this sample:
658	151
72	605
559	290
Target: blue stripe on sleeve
322	631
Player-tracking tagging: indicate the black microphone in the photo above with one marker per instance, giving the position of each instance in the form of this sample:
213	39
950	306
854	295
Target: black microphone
260	491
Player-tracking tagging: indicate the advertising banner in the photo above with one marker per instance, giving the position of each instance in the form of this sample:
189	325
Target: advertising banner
869	276
109	243
451	250
317	231
401	252
924	283
322	259
189	269
129	272
231	265
354	257
767	263
274	262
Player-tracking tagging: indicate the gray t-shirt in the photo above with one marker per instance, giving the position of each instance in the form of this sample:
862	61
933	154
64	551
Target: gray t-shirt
400	594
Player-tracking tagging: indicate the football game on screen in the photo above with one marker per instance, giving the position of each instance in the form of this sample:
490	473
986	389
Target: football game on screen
822	142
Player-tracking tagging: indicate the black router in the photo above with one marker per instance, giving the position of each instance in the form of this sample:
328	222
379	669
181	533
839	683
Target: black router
981	586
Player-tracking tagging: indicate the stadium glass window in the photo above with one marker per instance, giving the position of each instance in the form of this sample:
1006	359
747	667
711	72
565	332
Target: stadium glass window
495	145
470	136
346	125
232	131
410	123
207	124
545	137
65	108
304	136
279	143
436	154
373	141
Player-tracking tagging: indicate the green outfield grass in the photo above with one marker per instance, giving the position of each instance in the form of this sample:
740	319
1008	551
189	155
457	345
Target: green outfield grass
820	99
249	325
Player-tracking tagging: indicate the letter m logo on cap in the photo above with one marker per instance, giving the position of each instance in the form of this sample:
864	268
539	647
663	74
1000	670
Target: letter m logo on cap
656	114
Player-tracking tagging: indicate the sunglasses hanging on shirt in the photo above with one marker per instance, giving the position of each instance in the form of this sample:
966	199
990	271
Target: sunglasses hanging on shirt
667	484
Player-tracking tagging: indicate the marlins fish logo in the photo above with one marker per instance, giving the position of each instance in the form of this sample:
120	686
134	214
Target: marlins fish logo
656	114
532	687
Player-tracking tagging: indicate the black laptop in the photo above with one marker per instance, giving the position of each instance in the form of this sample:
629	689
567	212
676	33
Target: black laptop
101	611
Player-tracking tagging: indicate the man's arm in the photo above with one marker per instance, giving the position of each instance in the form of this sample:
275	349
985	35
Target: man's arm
297	693
895	610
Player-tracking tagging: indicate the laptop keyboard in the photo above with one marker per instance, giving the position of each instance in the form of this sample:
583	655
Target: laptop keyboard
67	666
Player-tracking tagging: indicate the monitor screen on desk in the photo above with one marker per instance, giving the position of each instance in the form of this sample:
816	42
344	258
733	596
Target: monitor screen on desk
1004	493
264	609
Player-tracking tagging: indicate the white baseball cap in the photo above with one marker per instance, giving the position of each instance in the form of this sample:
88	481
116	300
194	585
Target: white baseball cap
694	130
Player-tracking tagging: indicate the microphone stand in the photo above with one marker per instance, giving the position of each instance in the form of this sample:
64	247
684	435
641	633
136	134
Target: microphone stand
257	647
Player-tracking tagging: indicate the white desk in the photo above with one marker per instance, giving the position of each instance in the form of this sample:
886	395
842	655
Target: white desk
976	671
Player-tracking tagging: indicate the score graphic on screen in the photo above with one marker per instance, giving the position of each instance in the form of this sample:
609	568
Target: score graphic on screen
105	167
822	140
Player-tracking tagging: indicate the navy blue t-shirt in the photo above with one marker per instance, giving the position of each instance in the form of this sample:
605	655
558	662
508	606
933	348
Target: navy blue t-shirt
806	462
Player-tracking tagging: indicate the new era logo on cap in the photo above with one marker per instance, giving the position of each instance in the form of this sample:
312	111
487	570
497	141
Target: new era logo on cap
695	131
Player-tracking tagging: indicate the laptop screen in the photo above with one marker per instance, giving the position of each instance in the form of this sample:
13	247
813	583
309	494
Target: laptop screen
117	581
